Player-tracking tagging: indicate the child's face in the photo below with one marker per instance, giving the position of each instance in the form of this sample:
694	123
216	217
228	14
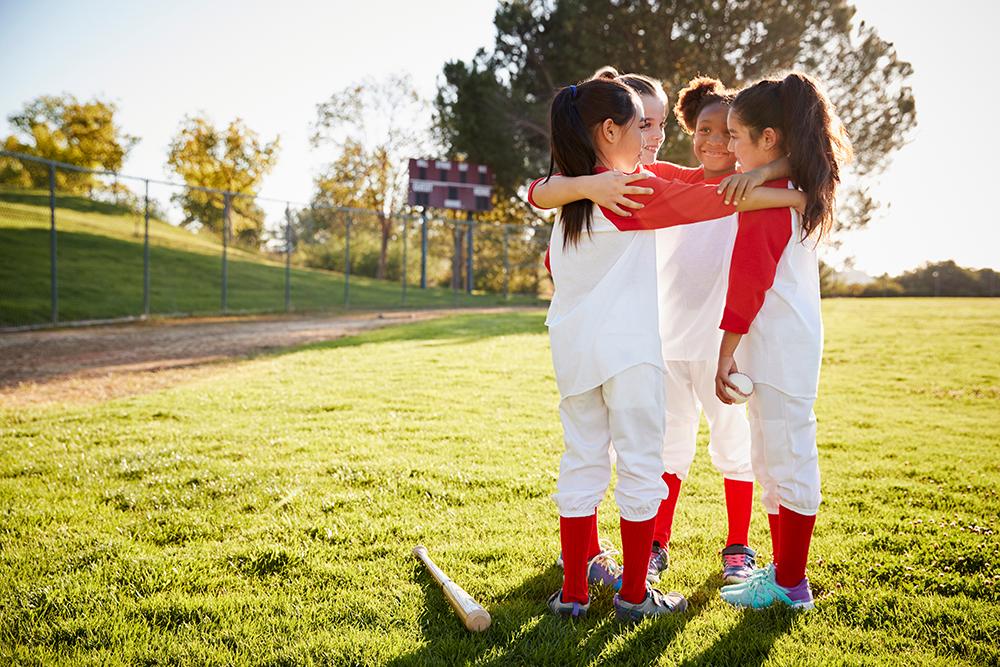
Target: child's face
749	153
711	139
654	118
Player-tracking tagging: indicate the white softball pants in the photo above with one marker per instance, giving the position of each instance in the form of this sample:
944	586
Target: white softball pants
784	453
626	411
690	389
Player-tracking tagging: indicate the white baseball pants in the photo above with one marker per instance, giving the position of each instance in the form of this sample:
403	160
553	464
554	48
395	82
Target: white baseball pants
690	389
626	411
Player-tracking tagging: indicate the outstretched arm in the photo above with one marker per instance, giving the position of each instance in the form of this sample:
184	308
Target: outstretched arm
607	189
673	203
735	187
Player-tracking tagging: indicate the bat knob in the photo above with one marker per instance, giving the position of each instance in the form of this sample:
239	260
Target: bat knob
478	620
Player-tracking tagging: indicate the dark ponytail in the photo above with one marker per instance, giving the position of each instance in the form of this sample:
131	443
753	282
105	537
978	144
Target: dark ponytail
576	112
700	92
811	134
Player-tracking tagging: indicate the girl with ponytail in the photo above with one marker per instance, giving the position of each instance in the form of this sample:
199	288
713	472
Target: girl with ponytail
772	326
604	336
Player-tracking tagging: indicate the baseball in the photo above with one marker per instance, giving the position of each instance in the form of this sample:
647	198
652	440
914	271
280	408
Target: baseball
744	383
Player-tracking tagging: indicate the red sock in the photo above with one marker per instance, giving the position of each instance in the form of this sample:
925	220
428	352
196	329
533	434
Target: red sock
665	515
739	501
795	532
594	545
772	520
637	543
574	534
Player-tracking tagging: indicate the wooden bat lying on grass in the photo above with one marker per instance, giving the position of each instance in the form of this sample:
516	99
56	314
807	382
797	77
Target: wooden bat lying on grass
474	617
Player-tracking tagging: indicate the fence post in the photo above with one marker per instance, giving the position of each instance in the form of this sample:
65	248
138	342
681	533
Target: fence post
468	257
288	257
225	253
423	248
506	264
347	264
406	229
53	265
145	255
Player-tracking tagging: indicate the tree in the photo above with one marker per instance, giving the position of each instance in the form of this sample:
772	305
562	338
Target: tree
494	108
62	128
370	124
233	159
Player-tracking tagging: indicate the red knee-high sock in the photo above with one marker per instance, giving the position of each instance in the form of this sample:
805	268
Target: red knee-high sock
594	544
574	534
665	515
637	543
795	532
739	501
772	520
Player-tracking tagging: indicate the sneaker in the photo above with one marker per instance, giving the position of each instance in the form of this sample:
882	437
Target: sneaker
602	568
763	591
759	572
655	604
738	562
659	561
567	609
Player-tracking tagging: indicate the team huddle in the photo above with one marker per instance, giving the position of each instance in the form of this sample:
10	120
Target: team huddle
652	314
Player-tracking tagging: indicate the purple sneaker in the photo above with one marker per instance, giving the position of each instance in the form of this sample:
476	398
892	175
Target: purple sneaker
738	562
659	561
656	603
601	569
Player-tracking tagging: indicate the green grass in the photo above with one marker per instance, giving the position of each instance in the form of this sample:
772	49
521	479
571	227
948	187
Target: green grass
100	270
265	515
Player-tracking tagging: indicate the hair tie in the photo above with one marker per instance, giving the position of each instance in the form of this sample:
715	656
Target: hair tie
572	91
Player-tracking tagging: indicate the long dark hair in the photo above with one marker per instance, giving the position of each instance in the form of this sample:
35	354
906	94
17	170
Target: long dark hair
811	134
700	92
576	111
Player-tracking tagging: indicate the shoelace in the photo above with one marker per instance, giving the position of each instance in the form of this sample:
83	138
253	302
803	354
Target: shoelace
735	560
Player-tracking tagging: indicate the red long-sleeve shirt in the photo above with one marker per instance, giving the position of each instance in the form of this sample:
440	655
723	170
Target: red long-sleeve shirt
756	253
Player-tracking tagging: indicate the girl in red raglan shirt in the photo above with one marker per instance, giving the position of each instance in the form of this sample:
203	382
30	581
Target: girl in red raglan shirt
772	322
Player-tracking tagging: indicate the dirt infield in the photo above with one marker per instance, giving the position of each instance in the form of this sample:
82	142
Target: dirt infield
98	363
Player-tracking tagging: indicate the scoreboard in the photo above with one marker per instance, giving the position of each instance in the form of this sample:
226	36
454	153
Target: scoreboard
460	186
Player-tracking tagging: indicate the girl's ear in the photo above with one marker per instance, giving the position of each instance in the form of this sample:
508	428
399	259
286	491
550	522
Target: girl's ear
609	130
770	138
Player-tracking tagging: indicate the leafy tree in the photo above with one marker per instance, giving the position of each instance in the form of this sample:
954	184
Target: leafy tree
65	129
370	124
232	159
943	279
494	108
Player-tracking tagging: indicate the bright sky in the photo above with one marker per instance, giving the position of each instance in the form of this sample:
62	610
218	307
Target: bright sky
271	63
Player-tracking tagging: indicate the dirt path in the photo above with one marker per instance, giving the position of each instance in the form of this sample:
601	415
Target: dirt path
98	363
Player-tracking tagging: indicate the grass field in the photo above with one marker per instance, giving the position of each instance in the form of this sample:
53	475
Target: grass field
266	515
100	260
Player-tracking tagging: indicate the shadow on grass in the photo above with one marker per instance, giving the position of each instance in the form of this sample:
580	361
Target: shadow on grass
749	642
524	632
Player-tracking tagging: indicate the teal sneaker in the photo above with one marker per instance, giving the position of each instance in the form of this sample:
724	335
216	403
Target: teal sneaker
759	572
763	591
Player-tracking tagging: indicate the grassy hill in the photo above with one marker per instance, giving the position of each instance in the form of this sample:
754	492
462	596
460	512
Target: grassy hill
100	269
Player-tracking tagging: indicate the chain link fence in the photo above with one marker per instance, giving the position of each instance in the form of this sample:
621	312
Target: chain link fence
82	245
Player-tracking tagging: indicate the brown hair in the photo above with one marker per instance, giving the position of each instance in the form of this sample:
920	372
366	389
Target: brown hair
576	111
810	132
701	92
640	83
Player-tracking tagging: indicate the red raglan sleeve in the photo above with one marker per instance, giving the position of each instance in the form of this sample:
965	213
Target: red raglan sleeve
675	172
672	203
531	193
760	240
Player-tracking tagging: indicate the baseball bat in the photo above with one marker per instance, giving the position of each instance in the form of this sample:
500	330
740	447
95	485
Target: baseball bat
472	614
